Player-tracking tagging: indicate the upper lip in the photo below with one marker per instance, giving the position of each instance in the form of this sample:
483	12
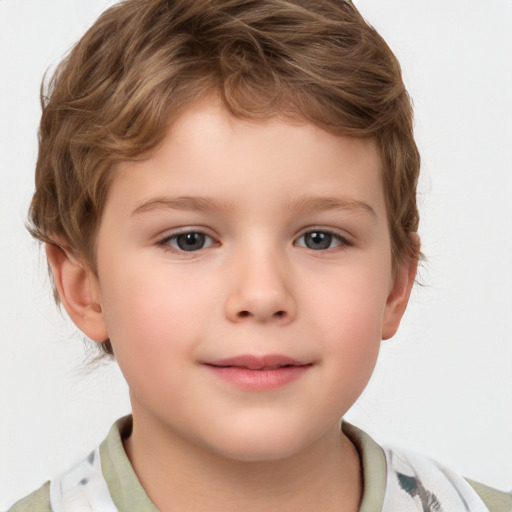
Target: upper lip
253	362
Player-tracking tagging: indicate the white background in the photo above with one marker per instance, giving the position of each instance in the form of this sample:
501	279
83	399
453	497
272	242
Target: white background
443	385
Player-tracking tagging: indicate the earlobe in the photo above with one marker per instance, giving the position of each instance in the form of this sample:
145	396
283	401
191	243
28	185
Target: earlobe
78	291
398	297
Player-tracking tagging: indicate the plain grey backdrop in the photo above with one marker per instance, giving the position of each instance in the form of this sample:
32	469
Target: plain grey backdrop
443	384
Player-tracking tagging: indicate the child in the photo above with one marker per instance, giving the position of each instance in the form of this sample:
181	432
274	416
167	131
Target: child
226	191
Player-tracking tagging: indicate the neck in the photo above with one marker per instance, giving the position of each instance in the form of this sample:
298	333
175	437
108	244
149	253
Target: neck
179	475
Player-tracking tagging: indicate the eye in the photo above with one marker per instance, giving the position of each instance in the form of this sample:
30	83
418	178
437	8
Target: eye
319	240
188	242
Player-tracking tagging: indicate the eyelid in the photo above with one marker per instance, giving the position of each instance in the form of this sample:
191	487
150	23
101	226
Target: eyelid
176	232
343	239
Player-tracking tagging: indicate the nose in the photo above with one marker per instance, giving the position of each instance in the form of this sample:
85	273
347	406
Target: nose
260	291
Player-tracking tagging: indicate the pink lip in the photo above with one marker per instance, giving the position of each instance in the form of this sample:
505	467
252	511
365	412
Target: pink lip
255	373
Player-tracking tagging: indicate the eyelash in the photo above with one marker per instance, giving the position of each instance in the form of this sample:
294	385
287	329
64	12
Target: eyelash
167	244
341	241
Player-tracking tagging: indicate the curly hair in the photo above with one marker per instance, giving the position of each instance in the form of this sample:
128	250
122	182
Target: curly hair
144	62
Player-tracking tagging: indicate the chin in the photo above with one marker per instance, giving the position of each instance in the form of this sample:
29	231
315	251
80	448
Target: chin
264	445
258	453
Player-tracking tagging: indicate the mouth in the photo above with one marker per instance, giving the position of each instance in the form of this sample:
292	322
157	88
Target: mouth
258	373
260	363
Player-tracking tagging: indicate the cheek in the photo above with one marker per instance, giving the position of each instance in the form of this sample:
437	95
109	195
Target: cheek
350	305
151	315
349	320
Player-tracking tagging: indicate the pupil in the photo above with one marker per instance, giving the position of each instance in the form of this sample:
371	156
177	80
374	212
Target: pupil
318	240
190	241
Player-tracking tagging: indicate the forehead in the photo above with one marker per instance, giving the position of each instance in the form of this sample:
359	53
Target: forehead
207	151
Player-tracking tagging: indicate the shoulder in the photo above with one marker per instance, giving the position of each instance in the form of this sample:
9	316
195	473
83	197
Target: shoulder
496	501
95	481
38	501
419	480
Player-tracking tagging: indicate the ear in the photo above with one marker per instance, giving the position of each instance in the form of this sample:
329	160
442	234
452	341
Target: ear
78	290
398	297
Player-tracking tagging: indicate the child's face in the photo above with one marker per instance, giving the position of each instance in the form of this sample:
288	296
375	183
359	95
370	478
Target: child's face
267	240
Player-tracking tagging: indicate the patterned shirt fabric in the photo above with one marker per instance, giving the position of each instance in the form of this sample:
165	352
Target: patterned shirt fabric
415	482
82	489
394	481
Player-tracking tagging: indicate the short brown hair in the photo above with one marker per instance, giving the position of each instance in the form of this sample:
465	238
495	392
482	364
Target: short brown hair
145	61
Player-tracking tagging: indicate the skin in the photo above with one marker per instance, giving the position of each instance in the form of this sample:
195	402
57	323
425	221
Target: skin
261	283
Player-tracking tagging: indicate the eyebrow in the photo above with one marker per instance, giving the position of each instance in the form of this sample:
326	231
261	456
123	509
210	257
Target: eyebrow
187	203
306	204
320	204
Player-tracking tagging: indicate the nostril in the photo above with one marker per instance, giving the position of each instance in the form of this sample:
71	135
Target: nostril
245	314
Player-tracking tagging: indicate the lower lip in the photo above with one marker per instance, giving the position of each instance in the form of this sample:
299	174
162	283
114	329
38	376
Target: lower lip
259	380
